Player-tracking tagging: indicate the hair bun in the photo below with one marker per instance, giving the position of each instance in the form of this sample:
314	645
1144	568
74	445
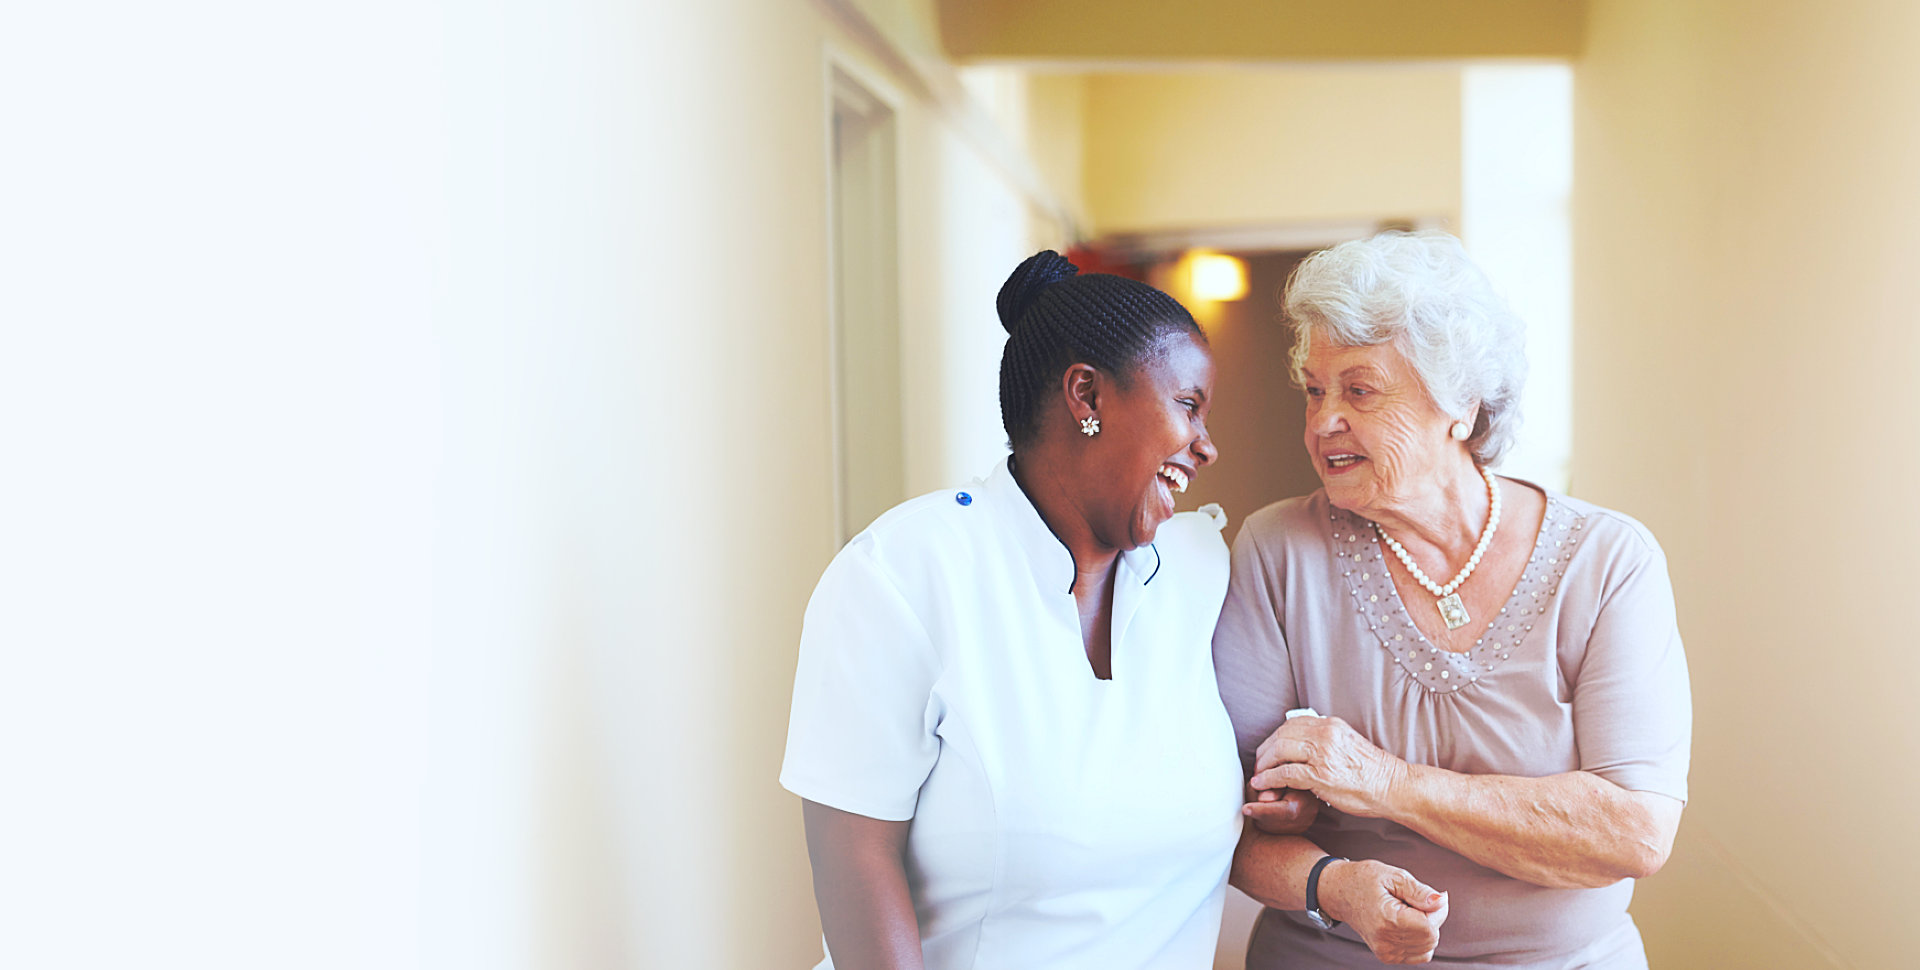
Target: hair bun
1028	280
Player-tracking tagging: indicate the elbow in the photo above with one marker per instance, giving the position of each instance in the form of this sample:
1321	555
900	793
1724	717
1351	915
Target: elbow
1632	862
1644	859
1638	851
1641	854
1644	826
1651	835
1245	872
1237	878
1240	872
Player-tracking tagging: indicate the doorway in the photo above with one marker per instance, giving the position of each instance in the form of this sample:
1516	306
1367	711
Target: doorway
868	443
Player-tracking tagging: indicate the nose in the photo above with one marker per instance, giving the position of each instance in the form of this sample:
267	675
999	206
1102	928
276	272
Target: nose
1204	453
1325	418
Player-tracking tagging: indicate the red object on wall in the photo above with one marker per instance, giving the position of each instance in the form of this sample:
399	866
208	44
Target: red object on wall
1093	260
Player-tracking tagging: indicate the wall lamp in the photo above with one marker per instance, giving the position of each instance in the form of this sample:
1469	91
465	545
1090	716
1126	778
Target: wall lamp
1216	276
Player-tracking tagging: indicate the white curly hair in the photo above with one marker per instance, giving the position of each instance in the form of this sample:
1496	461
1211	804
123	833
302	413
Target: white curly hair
1420	292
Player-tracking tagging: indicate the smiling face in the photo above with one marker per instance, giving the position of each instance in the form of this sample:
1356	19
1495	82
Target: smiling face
1374	435
1152	441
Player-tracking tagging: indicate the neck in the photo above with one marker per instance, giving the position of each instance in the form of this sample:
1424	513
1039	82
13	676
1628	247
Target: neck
1049	485
1448	516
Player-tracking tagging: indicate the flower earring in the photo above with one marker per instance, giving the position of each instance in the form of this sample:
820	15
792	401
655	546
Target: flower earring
1089	426
1460	430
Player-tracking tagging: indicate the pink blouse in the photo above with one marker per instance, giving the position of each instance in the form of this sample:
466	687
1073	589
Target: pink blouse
1581	670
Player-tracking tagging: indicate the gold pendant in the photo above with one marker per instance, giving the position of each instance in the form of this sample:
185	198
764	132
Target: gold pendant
1453	611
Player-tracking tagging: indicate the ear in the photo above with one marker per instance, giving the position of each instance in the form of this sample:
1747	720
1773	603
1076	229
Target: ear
1472	418
1080	387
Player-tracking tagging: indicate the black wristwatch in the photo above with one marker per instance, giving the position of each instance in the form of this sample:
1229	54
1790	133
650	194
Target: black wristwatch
1314	912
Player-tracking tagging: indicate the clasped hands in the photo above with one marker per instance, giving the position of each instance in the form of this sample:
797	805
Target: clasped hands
1398	916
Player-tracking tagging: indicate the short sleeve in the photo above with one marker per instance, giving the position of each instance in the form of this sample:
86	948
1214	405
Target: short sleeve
1632	703
860	737
1250	656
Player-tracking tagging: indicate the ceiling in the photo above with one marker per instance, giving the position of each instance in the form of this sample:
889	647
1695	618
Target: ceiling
1104	34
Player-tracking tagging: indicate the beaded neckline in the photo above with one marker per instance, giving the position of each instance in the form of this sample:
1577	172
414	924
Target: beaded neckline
1364	568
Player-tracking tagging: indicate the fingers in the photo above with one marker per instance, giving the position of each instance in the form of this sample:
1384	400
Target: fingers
1289	813
1415	893
1410	936
1413	958
1262	757
1420	931
1260	753
1278	750
1285	776
1402	924
1309	806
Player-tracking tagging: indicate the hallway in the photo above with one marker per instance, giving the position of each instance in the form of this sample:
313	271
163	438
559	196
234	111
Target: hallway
428	420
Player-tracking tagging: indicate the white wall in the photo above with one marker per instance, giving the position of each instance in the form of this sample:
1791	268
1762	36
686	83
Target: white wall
963	231
417	430
1516	166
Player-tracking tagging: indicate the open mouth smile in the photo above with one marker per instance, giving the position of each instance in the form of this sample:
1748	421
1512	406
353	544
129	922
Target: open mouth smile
1177	477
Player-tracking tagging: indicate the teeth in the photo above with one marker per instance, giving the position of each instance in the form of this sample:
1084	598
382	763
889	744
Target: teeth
1341	461
1172	473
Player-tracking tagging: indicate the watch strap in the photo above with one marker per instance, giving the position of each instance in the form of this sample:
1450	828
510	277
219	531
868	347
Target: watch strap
1313	893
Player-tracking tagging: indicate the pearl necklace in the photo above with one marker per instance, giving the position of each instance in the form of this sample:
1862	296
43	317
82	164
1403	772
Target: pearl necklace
1451	609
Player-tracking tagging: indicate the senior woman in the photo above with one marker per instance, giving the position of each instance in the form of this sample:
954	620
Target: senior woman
1505	699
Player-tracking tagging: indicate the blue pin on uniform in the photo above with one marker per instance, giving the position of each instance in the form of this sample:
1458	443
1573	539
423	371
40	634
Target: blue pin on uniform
963	498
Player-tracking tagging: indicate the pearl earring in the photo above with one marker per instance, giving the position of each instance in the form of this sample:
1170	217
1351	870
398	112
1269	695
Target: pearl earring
1460	430
1089	426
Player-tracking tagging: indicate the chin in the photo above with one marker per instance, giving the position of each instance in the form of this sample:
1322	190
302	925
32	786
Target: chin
1137	534
1144	532
1343	496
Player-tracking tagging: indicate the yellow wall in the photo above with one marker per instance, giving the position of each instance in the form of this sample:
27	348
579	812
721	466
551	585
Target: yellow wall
1274	146
1247	30
1747	368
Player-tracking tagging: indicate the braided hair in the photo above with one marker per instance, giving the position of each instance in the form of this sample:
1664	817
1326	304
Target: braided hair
1056	318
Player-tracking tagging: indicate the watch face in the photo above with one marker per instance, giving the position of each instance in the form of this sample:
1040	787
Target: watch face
1320	919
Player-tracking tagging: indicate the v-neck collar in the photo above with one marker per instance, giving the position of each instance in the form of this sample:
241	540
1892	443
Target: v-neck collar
1046	555
1364	568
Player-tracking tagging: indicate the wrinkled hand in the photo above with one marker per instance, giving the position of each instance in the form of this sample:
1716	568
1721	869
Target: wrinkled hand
1397	915
1284	812
1329	758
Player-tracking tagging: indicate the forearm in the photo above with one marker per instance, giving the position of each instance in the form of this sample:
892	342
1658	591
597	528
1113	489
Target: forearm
860	884
1273	868
1396	915
1568	831
867	916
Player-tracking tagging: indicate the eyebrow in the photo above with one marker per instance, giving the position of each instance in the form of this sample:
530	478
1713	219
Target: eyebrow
1197	390
1365	370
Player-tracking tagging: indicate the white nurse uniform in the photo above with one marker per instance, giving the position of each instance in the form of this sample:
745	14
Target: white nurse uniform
1059	820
